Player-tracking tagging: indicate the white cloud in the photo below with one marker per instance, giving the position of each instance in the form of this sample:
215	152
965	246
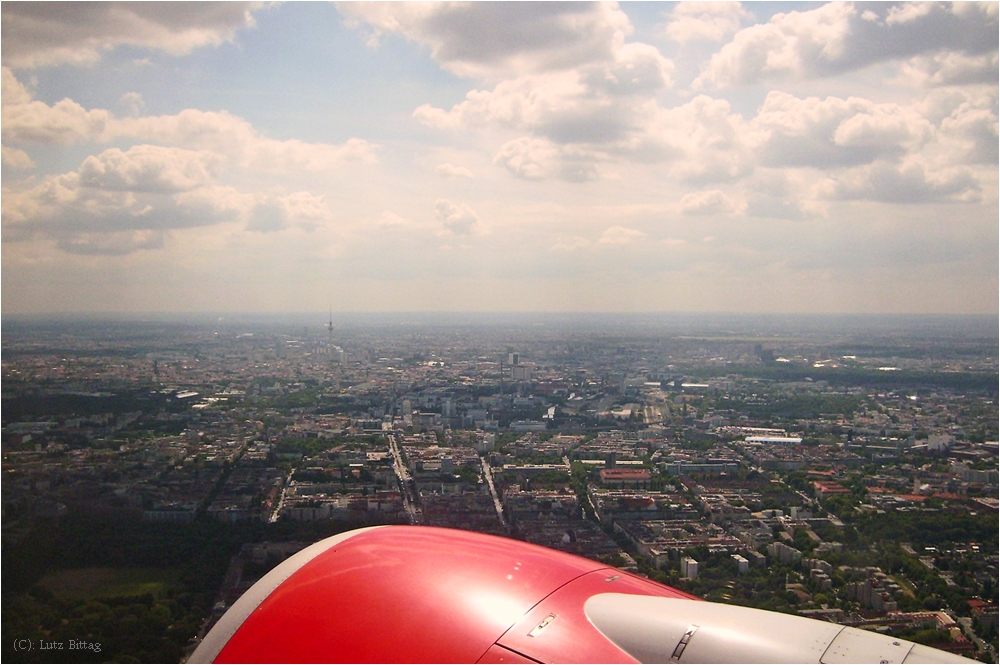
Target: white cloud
267	217
570	244
783	194
789	131
713	202
38	34
132	103
620	235
449	170
702	140
788	45
391	221
16	159
489	40
236	138
908	182
710	21
112	244
459	219
66	123
540	159
13	91
908	11
949	68
63	123
123	195
834	38
595	104
148	168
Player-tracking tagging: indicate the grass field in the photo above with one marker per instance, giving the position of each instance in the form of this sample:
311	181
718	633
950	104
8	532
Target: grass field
88	583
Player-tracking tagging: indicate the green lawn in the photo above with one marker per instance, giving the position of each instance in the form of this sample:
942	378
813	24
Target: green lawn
90	583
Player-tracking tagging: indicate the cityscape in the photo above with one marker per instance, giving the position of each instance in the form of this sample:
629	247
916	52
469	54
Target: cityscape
153	470
706	292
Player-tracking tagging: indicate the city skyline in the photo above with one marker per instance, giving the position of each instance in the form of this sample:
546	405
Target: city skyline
524	157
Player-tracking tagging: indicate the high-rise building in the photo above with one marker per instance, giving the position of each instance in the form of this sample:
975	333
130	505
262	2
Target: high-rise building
689	568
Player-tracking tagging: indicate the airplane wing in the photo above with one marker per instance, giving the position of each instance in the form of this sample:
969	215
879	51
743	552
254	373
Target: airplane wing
407	594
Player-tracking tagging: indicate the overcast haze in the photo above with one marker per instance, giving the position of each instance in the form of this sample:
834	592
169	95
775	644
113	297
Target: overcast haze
764	157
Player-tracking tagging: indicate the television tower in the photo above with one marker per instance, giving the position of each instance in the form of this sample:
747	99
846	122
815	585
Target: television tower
329	328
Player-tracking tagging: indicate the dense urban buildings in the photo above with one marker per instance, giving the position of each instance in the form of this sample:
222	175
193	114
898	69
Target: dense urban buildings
839	468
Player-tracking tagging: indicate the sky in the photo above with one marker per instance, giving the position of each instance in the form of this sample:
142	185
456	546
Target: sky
500	157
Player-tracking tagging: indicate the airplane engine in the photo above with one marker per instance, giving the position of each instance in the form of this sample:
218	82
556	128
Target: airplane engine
398	594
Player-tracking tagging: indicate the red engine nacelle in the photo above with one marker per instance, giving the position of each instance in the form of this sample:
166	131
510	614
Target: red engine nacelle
422	594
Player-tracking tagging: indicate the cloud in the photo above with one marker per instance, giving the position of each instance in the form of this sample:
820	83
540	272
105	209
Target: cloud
391	221
133	103
909	182
540	159
712	202
491	41
570	244
459	219
16	159
702	140
267	218
790	131
908	12
836	38
709	21
620	235
148	168
449	170
64	123
111	244
782	194
949	68
236	138
40	34
64	204
129	198
67	123
595	104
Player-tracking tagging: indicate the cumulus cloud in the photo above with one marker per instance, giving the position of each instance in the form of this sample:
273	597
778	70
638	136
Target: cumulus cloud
836	37
449	170
267	217
38	34
710	21
493	40
64	204
66	123
789	131
539	159
702	140
133	104
588	104
391	221
236	138
459	219
712	202
111	244
910	182
121	201
782	194
570	244
949	68
571	134
620	235
148	168
16	159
